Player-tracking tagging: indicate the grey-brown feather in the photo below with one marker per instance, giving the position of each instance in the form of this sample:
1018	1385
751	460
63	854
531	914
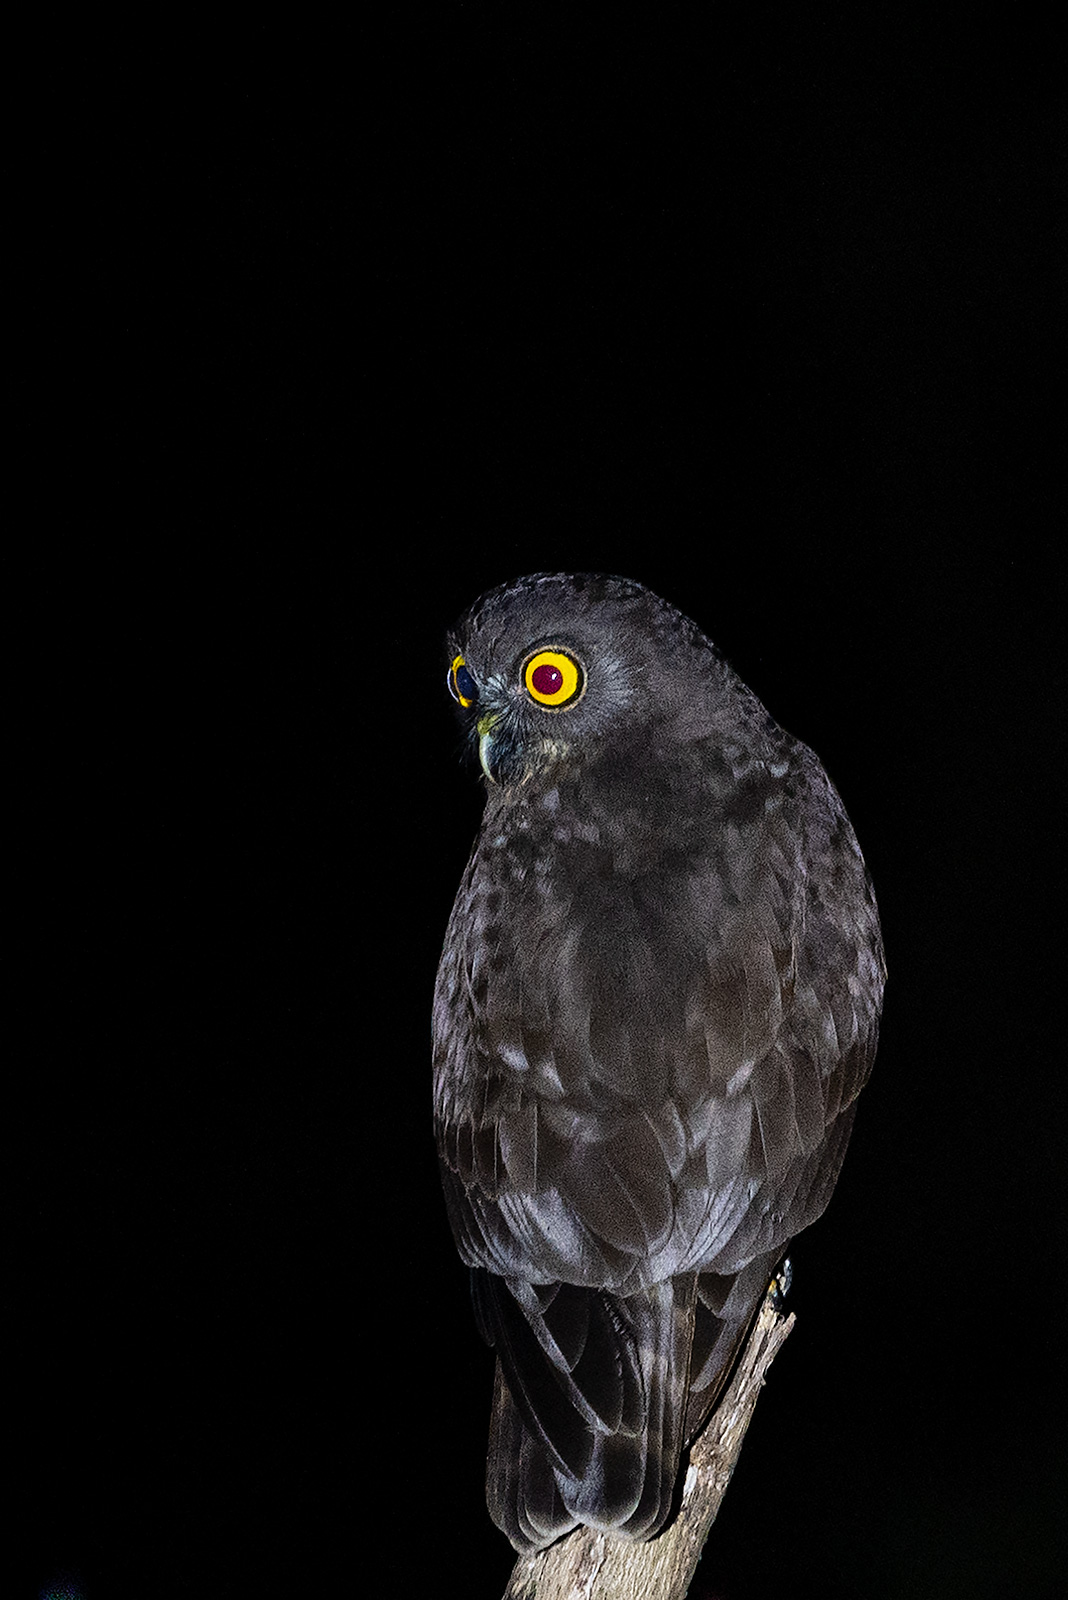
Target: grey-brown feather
657	1002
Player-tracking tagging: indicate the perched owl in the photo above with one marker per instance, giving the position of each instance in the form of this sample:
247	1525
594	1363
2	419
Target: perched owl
657	1003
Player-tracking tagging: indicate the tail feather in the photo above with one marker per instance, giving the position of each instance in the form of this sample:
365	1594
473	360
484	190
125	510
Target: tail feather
562	1453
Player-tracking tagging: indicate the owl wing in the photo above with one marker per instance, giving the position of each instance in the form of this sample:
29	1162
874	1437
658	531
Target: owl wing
634	1073
644	1090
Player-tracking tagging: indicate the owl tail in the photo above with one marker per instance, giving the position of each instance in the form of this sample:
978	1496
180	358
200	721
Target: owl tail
589	1406
598	1394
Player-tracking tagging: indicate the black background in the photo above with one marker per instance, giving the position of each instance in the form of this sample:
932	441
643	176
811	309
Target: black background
332	330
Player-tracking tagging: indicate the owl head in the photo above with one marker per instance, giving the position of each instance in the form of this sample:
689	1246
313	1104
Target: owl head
557	671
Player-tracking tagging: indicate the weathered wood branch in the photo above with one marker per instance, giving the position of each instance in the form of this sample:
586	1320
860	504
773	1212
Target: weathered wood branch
594	1566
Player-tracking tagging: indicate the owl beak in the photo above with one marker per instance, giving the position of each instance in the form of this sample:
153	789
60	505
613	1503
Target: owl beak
499	750
485	745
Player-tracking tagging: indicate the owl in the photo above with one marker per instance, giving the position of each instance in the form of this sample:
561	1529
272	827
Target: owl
657	1002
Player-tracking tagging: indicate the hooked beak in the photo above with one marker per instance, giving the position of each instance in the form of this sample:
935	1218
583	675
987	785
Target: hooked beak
497	751
485	744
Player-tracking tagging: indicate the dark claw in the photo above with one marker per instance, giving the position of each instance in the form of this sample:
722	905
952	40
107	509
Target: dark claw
779	1287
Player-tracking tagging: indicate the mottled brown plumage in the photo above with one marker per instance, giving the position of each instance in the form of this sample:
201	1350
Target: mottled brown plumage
656	1005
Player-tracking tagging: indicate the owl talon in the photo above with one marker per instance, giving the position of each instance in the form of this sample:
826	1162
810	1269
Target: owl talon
780	1285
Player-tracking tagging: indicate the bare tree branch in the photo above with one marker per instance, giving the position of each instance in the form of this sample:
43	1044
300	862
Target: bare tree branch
594	1566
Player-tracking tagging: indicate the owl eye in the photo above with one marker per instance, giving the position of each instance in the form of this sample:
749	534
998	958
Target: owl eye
553	679
462	686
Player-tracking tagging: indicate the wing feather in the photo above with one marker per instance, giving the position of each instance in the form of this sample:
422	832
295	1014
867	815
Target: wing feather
644	1089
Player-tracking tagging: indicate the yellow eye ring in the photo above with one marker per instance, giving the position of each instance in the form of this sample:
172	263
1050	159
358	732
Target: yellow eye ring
461	684
553	679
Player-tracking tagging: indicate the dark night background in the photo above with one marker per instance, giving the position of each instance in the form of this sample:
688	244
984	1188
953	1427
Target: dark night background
332	330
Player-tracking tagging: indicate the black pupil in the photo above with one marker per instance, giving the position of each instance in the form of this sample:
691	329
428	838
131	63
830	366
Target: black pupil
465	684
